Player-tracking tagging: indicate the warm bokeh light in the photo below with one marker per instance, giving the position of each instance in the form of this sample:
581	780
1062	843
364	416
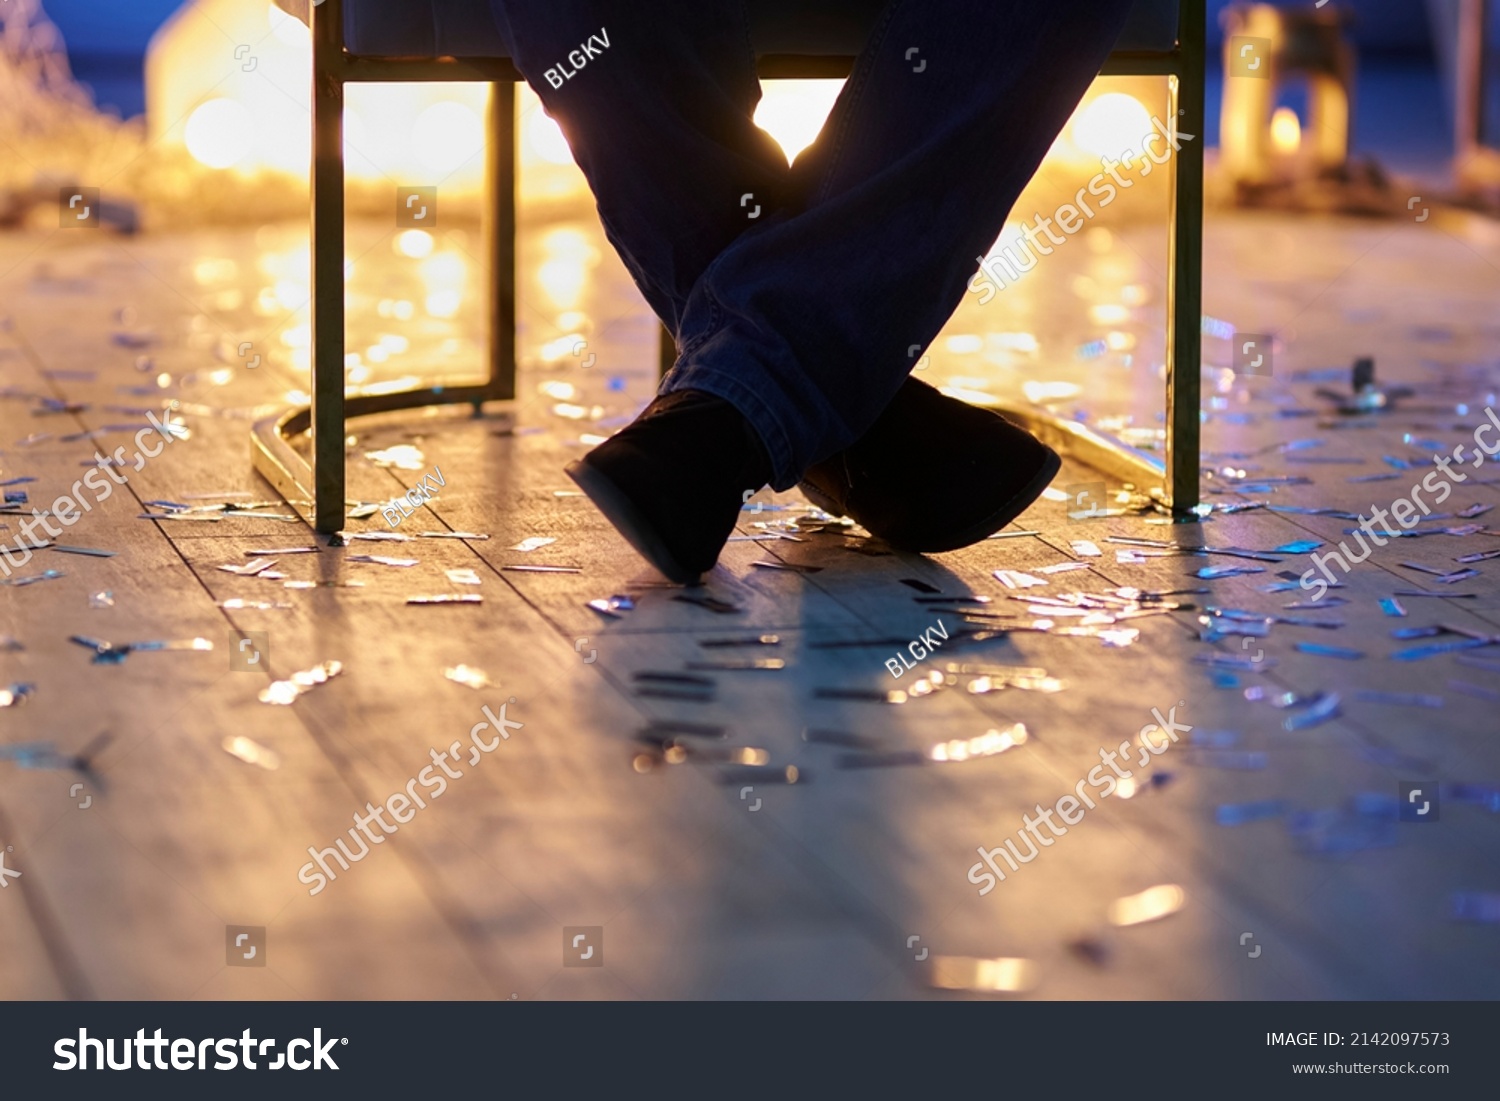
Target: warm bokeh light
289	29
446	135
416	243
1286	131
1109	124
417	133
219	133
1150	905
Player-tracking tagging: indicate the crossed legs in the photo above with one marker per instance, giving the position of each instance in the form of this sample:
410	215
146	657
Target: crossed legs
793	327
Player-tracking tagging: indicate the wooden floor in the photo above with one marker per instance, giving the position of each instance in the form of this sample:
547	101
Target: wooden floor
711	879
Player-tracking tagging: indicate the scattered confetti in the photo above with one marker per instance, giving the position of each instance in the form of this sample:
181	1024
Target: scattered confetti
536	541
789	567
1002	975
16	694
1478	906
382	560
467	675
252	752
612	606
1478	691
1152	904
284	692
1239	814
45	575
1398	699
1313	711
1322	650
250	568
402	457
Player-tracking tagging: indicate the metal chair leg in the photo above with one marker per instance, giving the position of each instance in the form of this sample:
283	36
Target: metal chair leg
1185	268
500	239
328	267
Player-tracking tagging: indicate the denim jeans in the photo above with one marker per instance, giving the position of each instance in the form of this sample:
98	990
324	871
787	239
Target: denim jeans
803	315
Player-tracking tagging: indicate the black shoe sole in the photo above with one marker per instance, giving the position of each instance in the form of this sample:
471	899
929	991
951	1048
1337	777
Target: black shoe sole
974	533
628	521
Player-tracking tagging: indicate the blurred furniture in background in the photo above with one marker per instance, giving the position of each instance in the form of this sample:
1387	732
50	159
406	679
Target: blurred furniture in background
1477	112
1265	49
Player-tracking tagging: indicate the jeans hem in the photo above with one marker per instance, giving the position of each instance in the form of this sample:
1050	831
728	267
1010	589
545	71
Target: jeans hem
751	405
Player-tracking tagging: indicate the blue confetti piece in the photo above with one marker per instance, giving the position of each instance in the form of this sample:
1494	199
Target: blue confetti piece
1324	706
616	383
1321	650
1480	906
1333	832
1211	573
1417	632
1216	739
1377	804
1238	814
1299	546
1424	444
1221	679
1390	758
1417	653
17	481
1391	606
1229	759
1398	699
1478	794
16	693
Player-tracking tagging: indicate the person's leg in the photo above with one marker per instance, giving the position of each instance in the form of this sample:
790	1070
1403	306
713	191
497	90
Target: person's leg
658	117
803	324
656	104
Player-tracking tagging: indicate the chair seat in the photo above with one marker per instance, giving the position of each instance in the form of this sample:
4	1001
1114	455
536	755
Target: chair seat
835	28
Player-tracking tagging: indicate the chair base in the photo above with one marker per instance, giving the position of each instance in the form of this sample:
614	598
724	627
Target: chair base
276	460
291	475
1141	470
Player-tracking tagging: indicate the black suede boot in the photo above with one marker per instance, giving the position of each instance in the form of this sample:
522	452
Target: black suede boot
672	482
933	473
